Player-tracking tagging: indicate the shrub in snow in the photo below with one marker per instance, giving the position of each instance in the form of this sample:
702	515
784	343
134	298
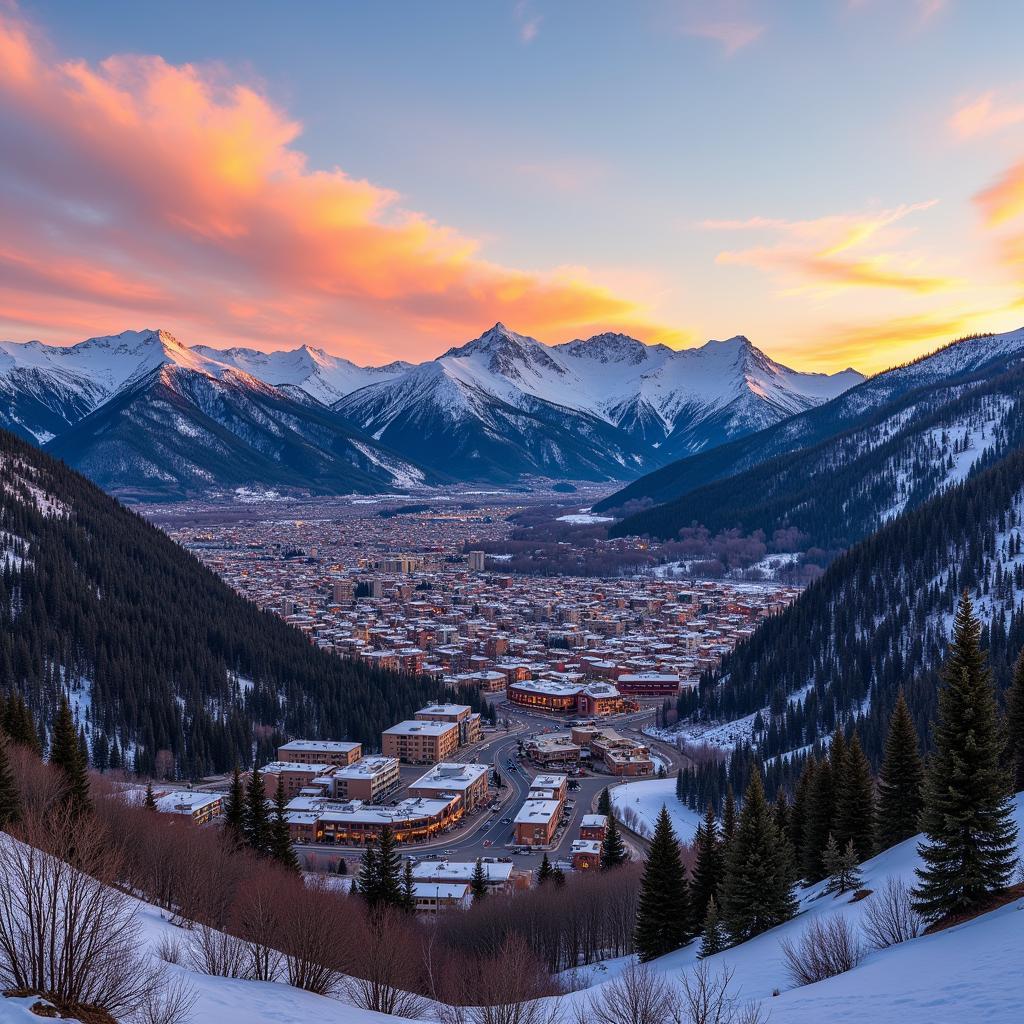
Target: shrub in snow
890	917
824	949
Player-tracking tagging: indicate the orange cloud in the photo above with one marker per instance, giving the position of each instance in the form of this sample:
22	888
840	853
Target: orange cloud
984	116
809	252
182	195
1003	201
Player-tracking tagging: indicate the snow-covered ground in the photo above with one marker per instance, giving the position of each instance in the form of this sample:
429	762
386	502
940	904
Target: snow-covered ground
638	804
973	972
962	975
584	519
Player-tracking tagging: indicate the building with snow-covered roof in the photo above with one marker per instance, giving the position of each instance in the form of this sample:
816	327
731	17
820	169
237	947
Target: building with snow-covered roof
412	819
564	695
467	780
339	752
416	742
432	897
370	779
497	875
200	807
536	822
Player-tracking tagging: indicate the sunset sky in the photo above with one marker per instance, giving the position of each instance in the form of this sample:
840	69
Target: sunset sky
840	180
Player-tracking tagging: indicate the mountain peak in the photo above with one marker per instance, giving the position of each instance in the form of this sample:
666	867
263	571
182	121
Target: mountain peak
611	347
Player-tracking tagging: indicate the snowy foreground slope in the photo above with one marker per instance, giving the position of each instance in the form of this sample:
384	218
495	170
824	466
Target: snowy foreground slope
972	972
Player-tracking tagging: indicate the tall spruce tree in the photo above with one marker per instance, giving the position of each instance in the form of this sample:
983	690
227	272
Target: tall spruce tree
663	921
257	816
281	848
10	798
613	849
150	799
819	822
855	807
234	810
728	817
708	867
546	870
1015	726
969	851
478	882
408	889
604	802
66	755
900	780
389	871
798	817
758	890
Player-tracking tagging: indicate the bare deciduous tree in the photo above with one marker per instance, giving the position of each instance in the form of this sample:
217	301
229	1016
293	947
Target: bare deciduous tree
889	915
309	916
66	932
707	998
824	949
215	952
636	996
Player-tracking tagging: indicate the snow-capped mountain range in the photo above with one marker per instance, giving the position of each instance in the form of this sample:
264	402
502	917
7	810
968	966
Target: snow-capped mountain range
500	407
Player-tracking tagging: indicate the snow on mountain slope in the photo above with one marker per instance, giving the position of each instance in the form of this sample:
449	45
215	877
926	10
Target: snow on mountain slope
969	358
325	377
658	400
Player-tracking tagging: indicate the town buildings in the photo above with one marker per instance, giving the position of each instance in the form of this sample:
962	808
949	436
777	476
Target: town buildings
339	752
466	780
418	742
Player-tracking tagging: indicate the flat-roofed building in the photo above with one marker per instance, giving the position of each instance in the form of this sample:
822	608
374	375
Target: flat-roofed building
467	780
553	748
296	777
340	752
409	820
432	897
558	785
416	742
593	826
497	876
370	779
200	807
461	714
568	695
586	854
536	822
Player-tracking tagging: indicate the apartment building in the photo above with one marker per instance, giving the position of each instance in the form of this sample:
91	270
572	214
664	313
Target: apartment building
466	780
409	820
371	779
296	776
497	876
200	807
556	748
339	752
593	826
417	742
461	715
622	756
536	822
549	787
432	897
586	854
648	684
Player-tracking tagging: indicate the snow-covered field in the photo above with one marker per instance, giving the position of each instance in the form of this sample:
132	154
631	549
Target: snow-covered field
971	973
638	804
962	975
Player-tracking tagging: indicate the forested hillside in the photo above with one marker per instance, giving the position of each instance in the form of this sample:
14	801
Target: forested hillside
878	620
160	654
840	490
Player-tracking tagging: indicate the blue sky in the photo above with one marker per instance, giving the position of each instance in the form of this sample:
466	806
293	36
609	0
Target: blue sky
631	145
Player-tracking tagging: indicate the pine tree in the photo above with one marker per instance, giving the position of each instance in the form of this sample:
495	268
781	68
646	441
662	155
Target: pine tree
855	808
758	890
408	889
66	754
820	821
604	802
613	849
545	871
234	810
342	868
708	868
1015	726
478	883
257	817
900	780
281	848
150	801
969	850
10	798
663	908
389	871
713	938
558	876
841	867
798	824
18	724
680	796
728	817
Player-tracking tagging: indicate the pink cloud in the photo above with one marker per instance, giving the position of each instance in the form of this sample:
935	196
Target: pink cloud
984	115
135	191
